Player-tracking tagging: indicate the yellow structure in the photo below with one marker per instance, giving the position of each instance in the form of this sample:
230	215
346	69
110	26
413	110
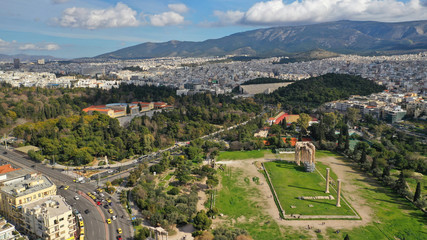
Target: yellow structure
49	218
23	190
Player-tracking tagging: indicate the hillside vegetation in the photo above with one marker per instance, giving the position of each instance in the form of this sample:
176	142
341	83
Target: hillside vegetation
265	81
306	94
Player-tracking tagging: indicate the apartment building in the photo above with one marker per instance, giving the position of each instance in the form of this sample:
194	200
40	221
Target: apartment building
7	230
22	190
49	218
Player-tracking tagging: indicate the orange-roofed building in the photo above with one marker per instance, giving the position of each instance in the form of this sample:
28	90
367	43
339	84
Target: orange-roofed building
158	105
292	141
7	168
101	109
145	106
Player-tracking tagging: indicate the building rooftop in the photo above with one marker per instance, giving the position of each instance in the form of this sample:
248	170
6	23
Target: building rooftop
30	184
8	175
5	226
7	168
49	206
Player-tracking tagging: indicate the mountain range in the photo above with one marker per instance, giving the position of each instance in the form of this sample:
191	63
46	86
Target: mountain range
346	37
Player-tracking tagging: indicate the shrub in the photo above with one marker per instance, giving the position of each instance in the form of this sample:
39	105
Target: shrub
174	191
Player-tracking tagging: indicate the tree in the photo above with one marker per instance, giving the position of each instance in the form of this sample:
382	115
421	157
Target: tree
205	236
374	164
329	120
386	172
108	185
347	137
127	109
35	156
400	185
142	234
363	157
303	122
340	140
417	194
353	115
201	221
346	237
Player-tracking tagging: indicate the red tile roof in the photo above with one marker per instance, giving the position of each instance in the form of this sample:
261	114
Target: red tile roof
7	168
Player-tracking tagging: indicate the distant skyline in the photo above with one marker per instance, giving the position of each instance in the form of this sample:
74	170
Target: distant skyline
86	28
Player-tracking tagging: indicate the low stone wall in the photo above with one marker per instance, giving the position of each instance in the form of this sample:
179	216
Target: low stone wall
330	197
300	216
276	199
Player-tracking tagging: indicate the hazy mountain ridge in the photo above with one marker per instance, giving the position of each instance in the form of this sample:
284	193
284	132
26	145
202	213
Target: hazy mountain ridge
340	37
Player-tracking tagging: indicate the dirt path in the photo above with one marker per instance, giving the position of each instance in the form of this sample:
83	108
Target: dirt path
341	169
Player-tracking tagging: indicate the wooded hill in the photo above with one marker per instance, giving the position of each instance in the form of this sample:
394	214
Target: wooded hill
306	94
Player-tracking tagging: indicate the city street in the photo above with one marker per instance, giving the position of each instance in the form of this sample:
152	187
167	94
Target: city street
93	219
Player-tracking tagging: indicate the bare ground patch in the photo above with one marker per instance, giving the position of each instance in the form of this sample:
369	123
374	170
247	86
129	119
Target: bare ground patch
342	169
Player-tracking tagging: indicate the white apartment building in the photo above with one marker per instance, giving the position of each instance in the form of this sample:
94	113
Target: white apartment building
50	218
6	230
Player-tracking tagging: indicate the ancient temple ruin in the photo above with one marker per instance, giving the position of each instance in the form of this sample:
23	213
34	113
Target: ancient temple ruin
305	153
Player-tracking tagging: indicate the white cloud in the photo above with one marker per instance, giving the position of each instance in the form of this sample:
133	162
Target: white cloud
119	16
59	1
166	19
276	12
178	7
229	17
7	47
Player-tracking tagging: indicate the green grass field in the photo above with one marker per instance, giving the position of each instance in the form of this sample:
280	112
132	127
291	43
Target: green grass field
324	153
239	155
236	200
291	181
393	217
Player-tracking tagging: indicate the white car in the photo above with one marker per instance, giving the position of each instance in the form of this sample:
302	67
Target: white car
76	197
113	217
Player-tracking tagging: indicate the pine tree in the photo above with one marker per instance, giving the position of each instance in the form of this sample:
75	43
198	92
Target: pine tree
374	164
347	141
386	172
346	136
400	185
363	158
346	237
340	140
321	131
417	194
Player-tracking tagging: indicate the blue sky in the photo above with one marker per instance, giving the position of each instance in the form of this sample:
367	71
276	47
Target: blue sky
86	28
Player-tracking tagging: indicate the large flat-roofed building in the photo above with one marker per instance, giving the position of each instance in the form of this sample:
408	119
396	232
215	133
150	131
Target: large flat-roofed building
22	190
49	218
145	106
115	110
99	108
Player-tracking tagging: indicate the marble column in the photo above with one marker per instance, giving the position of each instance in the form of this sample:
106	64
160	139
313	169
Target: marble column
327	180
339	193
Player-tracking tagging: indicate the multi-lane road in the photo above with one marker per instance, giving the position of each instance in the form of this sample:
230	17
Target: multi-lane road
95	221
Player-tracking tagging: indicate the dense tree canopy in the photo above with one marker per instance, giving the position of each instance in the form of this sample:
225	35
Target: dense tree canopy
309	93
